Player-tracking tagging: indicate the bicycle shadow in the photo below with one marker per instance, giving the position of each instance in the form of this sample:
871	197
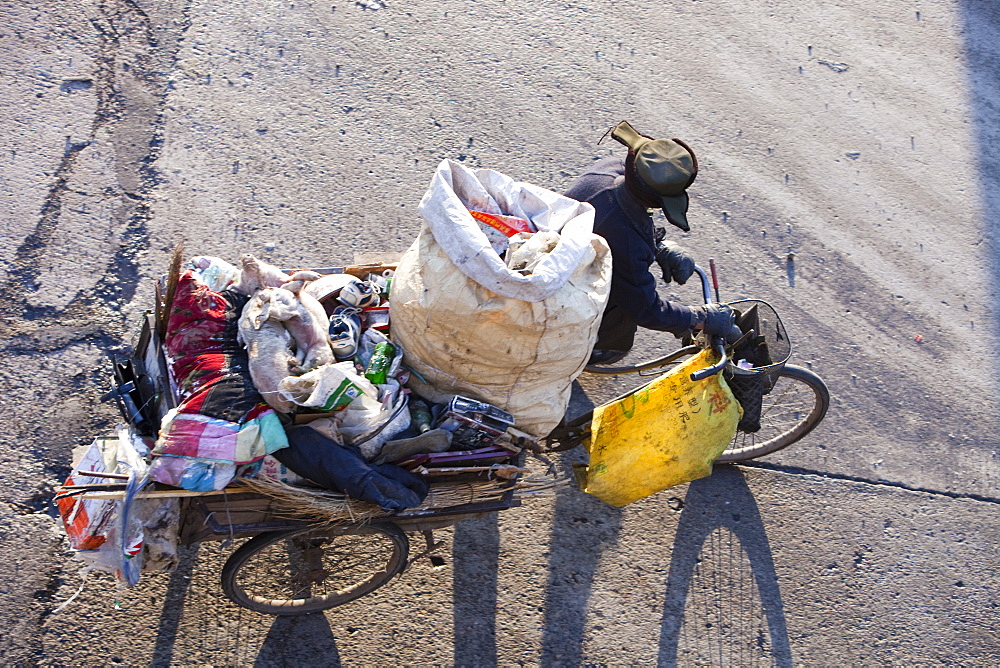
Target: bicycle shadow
716	590
722	601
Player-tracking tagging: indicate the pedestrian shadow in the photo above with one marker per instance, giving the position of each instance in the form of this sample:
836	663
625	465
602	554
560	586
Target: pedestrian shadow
723	603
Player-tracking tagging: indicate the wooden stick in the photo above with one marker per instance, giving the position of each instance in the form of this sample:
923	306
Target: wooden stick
163	494
67	495
99	474
173	277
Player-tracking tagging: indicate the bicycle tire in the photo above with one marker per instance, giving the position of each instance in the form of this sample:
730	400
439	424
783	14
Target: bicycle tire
797	403
277	572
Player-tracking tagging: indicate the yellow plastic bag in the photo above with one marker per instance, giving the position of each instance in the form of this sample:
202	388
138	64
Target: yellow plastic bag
666	433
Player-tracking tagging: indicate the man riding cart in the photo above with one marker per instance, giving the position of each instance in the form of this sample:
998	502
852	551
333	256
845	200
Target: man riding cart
654	175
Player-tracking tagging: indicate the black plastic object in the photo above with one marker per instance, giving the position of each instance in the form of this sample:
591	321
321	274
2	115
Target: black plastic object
134	394
757	359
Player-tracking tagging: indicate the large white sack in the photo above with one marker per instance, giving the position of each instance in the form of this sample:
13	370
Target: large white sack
471	326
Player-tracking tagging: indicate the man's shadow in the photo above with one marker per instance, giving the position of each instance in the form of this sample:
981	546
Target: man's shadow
579	522
583	528
475	561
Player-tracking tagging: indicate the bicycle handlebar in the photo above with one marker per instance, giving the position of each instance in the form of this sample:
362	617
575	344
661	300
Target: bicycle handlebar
717	342
720	347
706	292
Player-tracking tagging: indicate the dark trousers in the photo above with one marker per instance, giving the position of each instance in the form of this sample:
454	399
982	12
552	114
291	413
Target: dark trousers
617	330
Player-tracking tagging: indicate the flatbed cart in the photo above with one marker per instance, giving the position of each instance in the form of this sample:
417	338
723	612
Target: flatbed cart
311	550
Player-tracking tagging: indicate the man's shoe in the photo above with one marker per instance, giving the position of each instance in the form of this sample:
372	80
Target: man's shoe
360	294
345	332
599	357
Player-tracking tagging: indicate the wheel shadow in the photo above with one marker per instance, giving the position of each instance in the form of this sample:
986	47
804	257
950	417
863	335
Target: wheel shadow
283	644
196	623
723	603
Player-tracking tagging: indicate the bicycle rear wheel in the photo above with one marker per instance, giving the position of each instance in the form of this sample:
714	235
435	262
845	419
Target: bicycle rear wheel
305	570
792	409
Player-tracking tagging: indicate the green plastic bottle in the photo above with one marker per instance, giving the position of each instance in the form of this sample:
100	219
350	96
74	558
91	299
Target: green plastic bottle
378	366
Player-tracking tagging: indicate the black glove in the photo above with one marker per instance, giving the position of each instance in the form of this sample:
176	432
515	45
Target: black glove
720	320
675	262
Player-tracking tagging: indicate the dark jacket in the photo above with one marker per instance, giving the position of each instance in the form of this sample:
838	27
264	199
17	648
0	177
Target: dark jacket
628	229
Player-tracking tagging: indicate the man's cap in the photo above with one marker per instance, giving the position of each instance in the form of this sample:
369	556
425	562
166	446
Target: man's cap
666	166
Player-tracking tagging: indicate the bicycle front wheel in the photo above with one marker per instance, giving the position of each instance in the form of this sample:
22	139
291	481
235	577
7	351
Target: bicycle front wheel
792	409
304	570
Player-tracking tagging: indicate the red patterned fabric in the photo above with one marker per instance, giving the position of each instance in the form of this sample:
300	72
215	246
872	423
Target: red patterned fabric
196	335
197	319
212	374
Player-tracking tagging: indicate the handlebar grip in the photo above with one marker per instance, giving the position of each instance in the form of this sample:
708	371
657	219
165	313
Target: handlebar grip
720	347
717	342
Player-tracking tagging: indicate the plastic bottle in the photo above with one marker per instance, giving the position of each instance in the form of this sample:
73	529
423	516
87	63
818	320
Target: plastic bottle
378	366
420	412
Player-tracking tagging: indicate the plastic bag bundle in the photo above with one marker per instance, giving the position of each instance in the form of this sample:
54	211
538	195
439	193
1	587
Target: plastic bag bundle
473	326
367	414
327	388
664	434
135	534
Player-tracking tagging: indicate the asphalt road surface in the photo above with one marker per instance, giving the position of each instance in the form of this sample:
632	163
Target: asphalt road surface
849	168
